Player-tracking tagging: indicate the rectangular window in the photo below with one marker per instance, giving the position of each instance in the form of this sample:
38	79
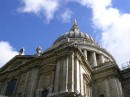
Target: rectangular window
101	95
44	93
10	88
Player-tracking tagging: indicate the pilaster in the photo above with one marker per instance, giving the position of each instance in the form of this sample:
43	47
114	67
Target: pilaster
114	88
107	88
120	88
57	74
81	80
26	84
76	74
65	74
33	82
71	73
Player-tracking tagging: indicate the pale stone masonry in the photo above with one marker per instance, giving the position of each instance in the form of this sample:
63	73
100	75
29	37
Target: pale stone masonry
74	66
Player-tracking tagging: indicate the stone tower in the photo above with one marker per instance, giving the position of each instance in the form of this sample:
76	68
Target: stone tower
74	66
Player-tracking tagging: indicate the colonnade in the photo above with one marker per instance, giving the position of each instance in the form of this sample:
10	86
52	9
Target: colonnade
93	58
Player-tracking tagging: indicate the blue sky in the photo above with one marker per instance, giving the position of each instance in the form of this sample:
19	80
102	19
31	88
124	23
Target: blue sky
33	23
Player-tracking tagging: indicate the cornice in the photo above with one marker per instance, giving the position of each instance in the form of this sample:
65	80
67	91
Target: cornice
108	70
96	47
38	60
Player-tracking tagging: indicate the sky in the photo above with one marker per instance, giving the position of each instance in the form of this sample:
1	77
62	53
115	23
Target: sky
33	23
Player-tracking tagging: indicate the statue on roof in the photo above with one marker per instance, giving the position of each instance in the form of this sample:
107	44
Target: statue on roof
39	51
21	52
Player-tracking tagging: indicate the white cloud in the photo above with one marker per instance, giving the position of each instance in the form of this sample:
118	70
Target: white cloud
115	27
66	15
6	52
116	38
40	7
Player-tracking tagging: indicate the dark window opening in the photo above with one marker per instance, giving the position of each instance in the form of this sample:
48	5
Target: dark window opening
10	88
20	94
0	86
101	95
44	93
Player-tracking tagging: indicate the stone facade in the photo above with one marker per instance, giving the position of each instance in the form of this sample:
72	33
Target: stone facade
126	82
74	66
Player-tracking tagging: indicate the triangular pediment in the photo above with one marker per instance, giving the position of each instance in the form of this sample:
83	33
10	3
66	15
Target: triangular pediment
15	62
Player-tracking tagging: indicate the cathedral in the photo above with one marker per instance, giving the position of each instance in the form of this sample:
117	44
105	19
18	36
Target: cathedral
74	66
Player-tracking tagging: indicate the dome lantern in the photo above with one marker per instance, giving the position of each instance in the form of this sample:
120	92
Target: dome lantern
75	27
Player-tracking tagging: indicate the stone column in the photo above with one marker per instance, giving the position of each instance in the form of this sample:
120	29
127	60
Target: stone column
101	58
65	74
94	60
85	53
57	74
71	73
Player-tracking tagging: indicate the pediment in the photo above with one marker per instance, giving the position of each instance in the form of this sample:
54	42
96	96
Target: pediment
15	62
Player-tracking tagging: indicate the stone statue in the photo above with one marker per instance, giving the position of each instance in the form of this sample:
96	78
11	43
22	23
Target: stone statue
21	52
68	40
39	51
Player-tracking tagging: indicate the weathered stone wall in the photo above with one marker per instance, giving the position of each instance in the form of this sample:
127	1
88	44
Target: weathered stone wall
126	82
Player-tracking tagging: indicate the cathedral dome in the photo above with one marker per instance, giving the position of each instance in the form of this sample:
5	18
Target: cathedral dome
74	34
95	54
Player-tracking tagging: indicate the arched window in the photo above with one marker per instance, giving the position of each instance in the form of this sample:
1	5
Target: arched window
10	88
